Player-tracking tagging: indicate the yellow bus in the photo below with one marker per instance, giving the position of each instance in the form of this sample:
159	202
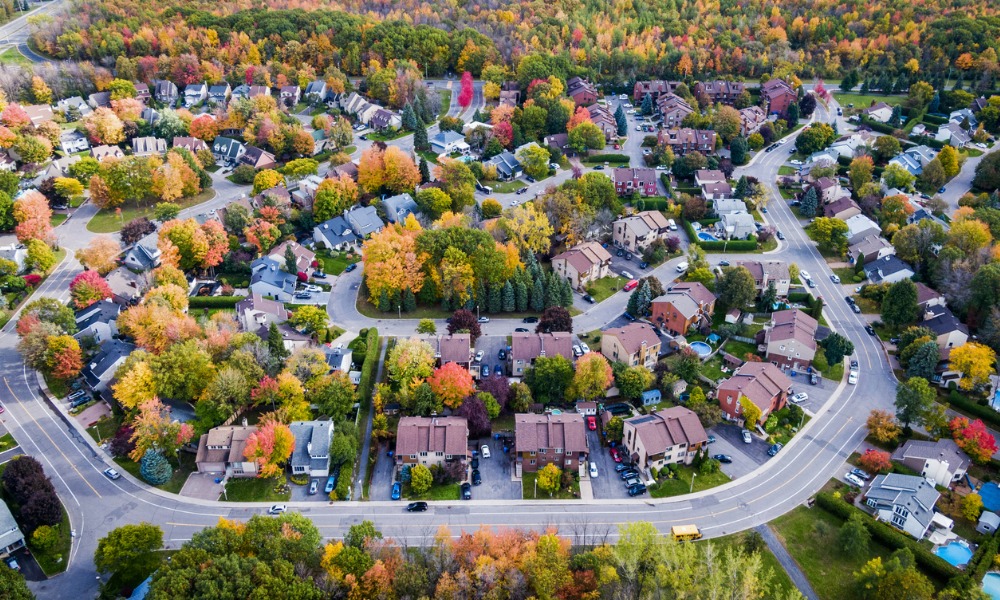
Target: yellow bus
684	533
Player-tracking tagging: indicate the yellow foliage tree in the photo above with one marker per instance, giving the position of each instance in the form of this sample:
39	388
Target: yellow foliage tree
975	362
135	387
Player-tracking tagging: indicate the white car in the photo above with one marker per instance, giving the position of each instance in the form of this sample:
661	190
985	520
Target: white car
277	509
638	128
479	356
803	275
584	347
854	480
554	166
577	350
623	97
593	470
835	278
852	378
746	437
682	267
486	451
112	474
800	397
312	288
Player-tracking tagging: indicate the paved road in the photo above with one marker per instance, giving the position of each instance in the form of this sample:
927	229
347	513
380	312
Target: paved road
962	183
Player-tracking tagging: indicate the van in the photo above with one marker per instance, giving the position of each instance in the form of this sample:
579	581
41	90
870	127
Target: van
685	533
682	267
671	225
631	285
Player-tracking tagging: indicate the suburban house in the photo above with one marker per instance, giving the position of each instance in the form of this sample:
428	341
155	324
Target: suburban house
11	538
963	114
335	234
219	94
311	454
270	279
509	98
737	226
364	221
382	120
15	253
842	208
525	347
127	286
101	369
7	162
632	179
292	339
827	188
339	359
948	330
74	141
257	158
191	144
304	257
196	93
684	140
98	100
148	146
728	206
664	437
289	95
605	121
581	91
928	297
587	409
259	90
446	142
141	258
953	135
350	169
78	104
221	451
559	439
860	226
673	109
255	311
914	159
720	92
582	264
241	91
713	184
654	88
761	382
778	96
751	120
431	440
507	166
683	306
847	146
398	207
790	339
888	269
869	248
943	462
38	113
227	149
878	111
634	344
637	232
99	321
316	91
906	501
277	196
150	115
142	93
165	92
454	348
101	153
766	271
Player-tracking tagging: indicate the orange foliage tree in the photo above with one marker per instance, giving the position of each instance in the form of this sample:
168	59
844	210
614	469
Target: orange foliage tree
269	447
451	383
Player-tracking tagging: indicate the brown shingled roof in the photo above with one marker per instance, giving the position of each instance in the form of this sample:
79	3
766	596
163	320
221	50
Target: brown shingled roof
534	432
455	348
666	428
758	381
449	435
633	336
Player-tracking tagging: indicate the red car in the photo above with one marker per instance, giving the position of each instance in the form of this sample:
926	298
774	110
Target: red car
617	147
592	423
614	454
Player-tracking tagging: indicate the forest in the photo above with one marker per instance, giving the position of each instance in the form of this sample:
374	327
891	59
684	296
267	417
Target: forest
612	43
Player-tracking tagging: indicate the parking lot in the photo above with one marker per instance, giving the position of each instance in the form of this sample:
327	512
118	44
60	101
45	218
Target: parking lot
746	457
607	484
496	472
491	346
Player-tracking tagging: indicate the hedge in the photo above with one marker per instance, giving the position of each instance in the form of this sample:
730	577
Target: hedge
935	120
213	301
368	368
666	183
599	158
876	126
652	204
982	560
975	409
932	564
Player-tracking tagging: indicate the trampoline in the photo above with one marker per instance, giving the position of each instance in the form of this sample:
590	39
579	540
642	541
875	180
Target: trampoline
990	493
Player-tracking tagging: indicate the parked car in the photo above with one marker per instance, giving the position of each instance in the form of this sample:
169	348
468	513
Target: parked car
861	474
475	462
773	450
303	295
643	265
835	278
486	451
779	235
466	491
112	474
277	509
331	482
588	298
853	378
854	480
592	423
479	356
483	320
322	275
856	309
477	478
416	507
313	487
854	363
682	267
520	330
814	379
584	347
397	491
601	167
620	467
723	263
723	458
711	439
486	371
615	456
800	397
593	470
628	317
803	275
497	369
632	482
529	320
312	288
577	351
637	490
502	354
870	330
628	474
746	437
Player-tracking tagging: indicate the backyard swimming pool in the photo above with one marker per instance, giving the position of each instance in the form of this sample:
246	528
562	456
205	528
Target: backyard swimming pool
956	553
707	237
991	585
701	348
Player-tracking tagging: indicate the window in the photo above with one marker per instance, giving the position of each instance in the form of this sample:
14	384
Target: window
532	460
532	453
899	521
569	462
423	454
559	450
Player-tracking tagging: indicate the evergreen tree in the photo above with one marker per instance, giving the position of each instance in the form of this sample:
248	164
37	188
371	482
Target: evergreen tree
290	264
275	343
425	171
621	120
520	296
865	85
896	116
494	302
935	104
409	118
507	297
480	299
553	295
155	468
567	294
810	203
409	301
767	298
738	150
742	187
420	141
538	295
639	301
647	105
792	115
849	81
385	302
477	116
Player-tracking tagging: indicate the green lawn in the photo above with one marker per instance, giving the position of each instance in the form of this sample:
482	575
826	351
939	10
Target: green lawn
53	560
846	274
336	263
445	100
12	57
528	490
7	442
605	287
430	157
388	136
506	187
682	483
106	221
256	490
593	339
104	429
835	372
862	101
437	492
176	481
810	535
712	368
741	349
57	219
785	170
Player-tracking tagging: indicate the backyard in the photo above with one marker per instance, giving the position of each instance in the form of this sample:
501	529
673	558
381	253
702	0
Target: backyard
682	483
604	287
109	221
506	187
437	492
862	101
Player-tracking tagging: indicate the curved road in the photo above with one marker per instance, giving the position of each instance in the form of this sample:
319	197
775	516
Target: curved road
96	505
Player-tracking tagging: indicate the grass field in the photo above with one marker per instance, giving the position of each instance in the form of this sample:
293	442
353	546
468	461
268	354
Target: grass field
528	490
335	265
682	483
862	101
57	219
176	481
254	490
605	287
445	100
437	492
55	559
388	136
11	56
107	221
7	442
506	187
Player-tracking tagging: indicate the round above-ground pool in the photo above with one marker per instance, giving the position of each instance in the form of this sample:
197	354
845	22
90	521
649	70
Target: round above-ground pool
991	585
701	348
957	553
707	237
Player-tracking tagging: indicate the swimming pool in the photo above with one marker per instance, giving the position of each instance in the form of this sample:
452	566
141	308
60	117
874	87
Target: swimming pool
991	585
956	553
707	237
701	348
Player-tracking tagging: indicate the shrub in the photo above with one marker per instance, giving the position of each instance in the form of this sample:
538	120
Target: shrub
213	301
44	538
600	158
243	174
342	491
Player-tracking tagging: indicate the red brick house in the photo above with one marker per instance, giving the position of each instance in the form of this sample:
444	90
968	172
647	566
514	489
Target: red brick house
762	383
581	91
685	140
653	88
631	179
683	306
778	95
540	440
725	92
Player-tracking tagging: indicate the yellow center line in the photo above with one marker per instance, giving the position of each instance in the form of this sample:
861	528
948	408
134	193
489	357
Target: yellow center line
54	444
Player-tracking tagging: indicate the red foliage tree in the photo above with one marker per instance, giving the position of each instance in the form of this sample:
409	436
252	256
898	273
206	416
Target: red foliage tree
63	358
32	279
87	288
875	461
504	133
464	321
465	95
973	438
451	383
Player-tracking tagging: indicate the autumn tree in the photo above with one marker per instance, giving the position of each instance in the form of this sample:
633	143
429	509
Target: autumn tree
262	234
751	412
310	318
527	227
204	128
333	197
135	387
875	461
267	179
387	168
87	288
882	426
63	357
104	127
153	428
975	362
269	446
409	360
592	378
33	216
458	182
392	264
100	254
451	383
974	438
420	479
549	479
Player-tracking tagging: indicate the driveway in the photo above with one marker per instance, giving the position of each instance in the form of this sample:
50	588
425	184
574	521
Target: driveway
607	484
383	476
29	567
745	457
202	486
491	346
318	299
496	472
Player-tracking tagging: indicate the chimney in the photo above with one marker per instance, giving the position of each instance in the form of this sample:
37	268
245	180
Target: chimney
309	448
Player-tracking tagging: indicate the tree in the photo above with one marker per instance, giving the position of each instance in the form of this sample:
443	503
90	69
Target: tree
420	480
154	468
452	383
263	235
427	327
269	446
640	301
527	227
40	257
33	216
972	507
924	360
875	461
520	397
409	360
727	123
810	203
633	381
949	161
736	287
885	147
933	176
860	172
896	176
204	128
135	387
87	288
63	357
549	479
154	428
738	149
104	127
333	394
555	318
458	182
267	179
975	362
836	347
101	254
129	549
913	398
140	227
463	321
433	202
549	378
586	136
535	160
899	307
814	138
310	318
593	376
969	235
987	175
831	234
854	536
974	438
751	412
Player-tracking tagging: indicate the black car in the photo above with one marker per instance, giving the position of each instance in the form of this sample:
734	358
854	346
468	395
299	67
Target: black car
522	191
364	136
621	467
628	474
854	363
475	463
637	490
529	320
350	267
476	477
502	354
466	491
628	317
628	256
723	458
599	168
520	330
620	252
529	179
643	265
780	235
849	299
588	298
319	274
870	329
416	507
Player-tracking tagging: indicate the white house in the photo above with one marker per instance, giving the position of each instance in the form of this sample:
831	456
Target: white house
311	455
738	226
879	111
98	321
906	501
942	461
447	142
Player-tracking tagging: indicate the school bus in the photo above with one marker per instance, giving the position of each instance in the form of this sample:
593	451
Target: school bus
684	533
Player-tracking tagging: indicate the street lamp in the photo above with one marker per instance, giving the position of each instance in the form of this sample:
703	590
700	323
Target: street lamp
693	475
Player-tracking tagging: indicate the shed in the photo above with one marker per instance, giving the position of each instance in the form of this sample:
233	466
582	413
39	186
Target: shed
989	522
650	397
